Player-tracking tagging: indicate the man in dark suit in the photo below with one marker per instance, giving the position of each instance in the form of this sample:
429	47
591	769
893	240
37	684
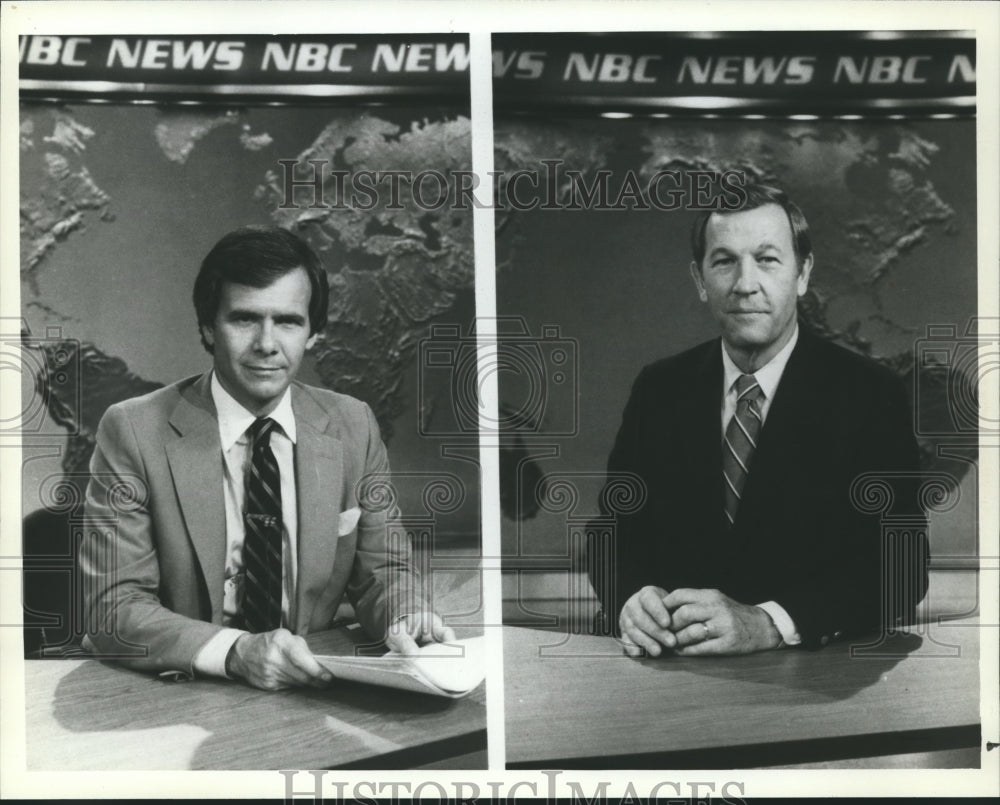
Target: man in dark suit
227	512
750	445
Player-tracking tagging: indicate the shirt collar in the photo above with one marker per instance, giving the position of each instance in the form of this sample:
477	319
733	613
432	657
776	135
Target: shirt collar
234	419
769	375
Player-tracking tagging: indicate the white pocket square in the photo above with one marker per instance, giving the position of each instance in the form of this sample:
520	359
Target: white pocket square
348	521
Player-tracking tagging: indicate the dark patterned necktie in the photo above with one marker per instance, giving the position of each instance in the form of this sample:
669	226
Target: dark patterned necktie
262	537
740	442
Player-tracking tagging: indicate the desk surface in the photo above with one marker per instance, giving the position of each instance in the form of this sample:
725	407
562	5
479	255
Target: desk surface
87	714
575	701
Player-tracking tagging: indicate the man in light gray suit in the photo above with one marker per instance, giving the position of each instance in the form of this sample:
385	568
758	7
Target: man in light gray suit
173	576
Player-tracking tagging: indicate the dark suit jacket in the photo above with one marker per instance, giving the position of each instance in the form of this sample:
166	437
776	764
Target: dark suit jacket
153	555
799	539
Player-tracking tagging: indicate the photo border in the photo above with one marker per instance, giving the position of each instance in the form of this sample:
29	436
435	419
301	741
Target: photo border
478	20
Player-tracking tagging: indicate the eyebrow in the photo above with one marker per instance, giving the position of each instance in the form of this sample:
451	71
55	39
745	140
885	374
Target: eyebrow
245	313
242	313
719	250
759	248
294	318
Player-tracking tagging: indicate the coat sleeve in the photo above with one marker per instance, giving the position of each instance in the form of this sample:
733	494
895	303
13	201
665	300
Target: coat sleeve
124	617
616	574
384	584
877	532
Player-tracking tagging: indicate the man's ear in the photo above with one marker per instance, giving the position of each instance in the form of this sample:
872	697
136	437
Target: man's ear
208	334
804	273
311	340
698	281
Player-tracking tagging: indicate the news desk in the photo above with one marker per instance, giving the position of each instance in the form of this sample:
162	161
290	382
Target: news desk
575	701
84	714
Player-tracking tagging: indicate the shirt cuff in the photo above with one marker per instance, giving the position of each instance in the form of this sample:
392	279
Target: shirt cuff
782	622
211	658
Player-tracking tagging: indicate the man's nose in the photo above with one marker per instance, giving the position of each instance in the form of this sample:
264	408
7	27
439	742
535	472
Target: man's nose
747	280
265	337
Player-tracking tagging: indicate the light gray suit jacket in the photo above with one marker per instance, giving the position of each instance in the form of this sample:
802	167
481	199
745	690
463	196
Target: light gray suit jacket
154	547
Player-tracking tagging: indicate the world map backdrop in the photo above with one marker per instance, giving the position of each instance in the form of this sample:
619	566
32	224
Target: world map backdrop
119	204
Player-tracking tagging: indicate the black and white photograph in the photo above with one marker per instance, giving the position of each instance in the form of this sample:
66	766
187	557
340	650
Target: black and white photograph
585	401
232	249
691	227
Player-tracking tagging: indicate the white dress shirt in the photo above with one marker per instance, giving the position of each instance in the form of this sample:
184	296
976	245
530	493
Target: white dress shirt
234	420
768	377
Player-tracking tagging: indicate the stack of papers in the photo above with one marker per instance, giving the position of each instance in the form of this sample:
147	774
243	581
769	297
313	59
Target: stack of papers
444	669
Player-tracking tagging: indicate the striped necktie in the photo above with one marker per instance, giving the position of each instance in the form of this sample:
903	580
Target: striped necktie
262	533
740	442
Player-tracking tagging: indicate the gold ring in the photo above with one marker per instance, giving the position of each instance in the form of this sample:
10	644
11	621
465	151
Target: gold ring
708	630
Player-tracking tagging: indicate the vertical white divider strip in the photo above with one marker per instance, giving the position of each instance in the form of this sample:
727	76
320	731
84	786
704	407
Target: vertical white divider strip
988	250
11	408
481	80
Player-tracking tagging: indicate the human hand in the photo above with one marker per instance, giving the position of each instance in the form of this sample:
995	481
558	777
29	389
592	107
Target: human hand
275	660
709	622
645	623
410	631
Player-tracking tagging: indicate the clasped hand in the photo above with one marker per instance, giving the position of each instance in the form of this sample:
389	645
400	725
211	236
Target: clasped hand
693	622
279	659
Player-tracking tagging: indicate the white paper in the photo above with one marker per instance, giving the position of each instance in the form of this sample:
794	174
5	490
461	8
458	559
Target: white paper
443	669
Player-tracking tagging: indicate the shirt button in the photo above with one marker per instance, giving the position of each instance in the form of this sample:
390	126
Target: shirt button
838	633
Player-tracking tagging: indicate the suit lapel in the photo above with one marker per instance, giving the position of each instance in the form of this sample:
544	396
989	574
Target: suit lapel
319	473
699	425
790	429
195	460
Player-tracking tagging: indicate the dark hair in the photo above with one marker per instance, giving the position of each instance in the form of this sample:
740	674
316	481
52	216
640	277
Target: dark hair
758	195
257	256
